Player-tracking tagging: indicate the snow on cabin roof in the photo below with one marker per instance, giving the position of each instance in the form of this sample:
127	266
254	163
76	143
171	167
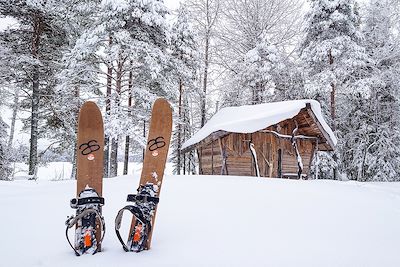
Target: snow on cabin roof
252	118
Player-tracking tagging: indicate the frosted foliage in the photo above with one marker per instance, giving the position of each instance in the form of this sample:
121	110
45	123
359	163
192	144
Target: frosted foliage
259	63
184	46
185	66
331	48
370	126
5	164
126	36
256	74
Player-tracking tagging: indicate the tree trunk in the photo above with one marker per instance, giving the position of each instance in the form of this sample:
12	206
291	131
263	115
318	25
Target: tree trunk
179	141
114	157
205	77
126	157
13	119
333	115
106	157
114	143
127	139
33	155
108	108
333	93
144	135
73	172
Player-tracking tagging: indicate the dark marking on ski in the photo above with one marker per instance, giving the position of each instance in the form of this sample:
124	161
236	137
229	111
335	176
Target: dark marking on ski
156	143
89	147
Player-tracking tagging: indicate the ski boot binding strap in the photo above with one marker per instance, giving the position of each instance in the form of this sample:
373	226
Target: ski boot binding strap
144	205
88	213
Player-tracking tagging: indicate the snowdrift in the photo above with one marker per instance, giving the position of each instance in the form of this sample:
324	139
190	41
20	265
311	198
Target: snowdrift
214	221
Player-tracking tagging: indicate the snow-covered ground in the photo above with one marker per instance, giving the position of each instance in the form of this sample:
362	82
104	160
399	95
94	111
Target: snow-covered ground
213	221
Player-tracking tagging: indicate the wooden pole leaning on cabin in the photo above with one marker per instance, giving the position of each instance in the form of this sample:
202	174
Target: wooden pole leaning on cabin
316	160
268	163
296	150
212	157
254	156
224	167
293	139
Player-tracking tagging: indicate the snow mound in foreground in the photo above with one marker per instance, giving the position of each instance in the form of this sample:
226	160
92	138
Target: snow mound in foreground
214	221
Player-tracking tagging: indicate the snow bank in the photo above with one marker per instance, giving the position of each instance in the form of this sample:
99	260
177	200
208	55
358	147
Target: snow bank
252	118
214	221
62	170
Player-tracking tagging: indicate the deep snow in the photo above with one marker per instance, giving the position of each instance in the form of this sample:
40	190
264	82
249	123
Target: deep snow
214	221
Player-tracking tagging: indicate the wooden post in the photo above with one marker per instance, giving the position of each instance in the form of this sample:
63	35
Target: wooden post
224	168
212	158
200	157
279	163
316	160
311	158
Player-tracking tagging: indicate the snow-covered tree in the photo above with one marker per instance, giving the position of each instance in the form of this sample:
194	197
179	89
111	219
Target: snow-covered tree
186	62
370	124
127	38
333	55
204	14
331	49
253	39
5	167
34	54
255	76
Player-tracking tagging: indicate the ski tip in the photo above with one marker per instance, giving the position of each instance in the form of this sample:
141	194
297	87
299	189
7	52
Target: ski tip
161	101
89	103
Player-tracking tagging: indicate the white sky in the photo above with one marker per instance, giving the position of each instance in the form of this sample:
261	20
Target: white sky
172	4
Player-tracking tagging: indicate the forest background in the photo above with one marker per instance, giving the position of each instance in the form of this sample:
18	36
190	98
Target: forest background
201	56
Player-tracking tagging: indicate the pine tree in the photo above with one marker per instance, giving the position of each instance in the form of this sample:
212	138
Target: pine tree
371	121
185	60
34	54
333	56
127	37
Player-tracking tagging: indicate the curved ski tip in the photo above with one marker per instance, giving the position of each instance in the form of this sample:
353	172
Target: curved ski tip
89	104
161	101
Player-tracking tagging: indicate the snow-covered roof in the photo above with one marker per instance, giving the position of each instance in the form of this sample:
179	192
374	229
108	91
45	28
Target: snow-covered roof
252	118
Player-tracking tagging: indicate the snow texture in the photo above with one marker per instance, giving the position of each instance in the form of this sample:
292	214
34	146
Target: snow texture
213	221
252	118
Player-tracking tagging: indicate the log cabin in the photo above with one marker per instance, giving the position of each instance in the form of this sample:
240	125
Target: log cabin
277	139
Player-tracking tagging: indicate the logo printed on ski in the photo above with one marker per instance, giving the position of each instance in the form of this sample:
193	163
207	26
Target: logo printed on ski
156	143
89	147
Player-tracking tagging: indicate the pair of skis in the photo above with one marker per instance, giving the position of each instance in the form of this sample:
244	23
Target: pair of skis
88	221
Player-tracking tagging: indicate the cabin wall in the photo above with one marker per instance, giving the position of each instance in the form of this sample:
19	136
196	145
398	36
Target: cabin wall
239	160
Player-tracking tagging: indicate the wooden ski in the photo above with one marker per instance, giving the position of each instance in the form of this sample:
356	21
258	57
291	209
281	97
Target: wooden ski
145	201
88	221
